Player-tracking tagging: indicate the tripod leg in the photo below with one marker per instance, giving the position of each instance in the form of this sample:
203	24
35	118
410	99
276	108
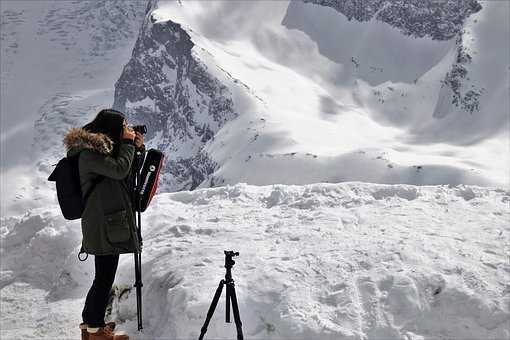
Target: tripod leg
235	307
140	289
138	286
227	306
212	307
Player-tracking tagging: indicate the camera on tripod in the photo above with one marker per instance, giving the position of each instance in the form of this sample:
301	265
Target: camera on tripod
231	298
229	262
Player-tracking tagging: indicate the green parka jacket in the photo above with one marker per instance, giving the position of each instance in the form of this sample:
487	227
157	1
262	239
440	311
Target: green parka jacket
108	220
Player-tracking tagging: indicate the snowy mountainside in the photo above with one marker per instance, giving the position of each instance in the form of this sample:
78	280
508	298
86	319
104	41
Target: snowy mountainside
450	88
59	63
76	43
98	32
322	261
225	109
102	24
332	117
60	112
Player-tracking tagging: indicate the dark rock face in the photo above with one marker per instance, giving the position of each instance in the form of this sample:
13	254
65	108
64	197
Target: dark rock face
166	87
469	100
440	20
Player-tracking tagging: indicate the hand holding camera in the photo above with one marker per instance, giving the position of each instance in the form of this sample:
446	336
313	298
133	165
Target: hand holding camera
135	133
140	130
128	133
138	139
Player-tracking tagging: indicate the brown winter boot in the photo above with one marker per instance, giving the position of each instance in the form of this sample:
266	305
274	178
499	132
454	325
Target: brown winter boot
103	333
85	333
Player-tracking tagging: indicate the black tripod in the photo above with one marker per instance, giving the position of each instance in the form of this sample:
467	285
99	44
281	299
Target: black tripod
231	296
138	256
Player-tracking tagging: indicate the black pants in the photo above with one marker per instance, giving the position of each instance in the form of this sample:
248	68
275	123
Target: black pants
97	297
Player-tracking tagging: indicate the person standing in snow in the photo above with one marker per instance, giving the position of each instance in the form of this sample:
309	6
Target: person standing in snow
107	147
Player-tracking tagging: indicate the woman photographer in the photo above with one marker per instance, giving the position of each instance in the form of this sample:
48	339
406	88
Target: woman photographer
111	151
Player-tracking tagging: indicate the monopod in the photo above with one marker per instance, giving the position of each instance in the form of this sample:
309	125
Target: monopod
138	255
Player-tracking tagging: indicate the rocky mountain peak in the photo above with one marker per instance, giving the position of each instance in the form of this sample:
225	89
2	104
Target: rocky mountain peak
166	86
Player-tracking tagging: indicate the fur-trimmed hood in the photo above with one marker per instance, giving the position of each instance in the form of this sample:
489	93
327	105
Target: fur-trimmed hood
77	139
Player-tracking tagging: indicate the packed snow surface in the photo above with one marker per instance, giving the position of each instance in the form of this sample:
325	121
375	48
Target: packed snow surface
321	261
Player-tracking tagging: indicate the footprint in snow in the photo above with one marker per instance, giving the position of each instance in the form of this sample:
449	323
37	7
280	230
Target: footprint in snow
205	231
180	230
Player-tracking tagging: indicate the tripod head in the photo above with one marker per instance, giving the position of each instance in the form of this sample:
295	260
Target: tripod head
229	254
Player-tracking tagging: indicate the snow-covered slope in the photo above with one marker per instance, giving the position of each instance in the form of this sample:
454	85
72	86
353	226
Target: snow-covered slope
323	97
321	261
59	62
268	95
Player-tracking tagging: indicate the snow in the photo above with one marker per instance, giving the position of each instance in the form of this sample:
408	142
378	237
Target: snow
320	261
313	101
424	256
378	50
59	63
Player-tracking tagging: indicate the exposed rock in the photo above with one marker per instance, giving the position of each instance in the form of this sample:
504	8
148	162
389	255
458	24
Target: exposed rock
457	76
440	20
168	88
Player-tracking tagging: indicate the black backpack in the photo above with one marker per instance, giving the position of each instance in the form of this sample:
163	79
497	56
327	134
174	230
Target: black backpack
70	197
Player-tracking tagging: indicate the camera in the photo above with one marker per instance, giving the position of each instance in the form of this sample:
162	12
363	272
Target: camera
140	128
231	253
